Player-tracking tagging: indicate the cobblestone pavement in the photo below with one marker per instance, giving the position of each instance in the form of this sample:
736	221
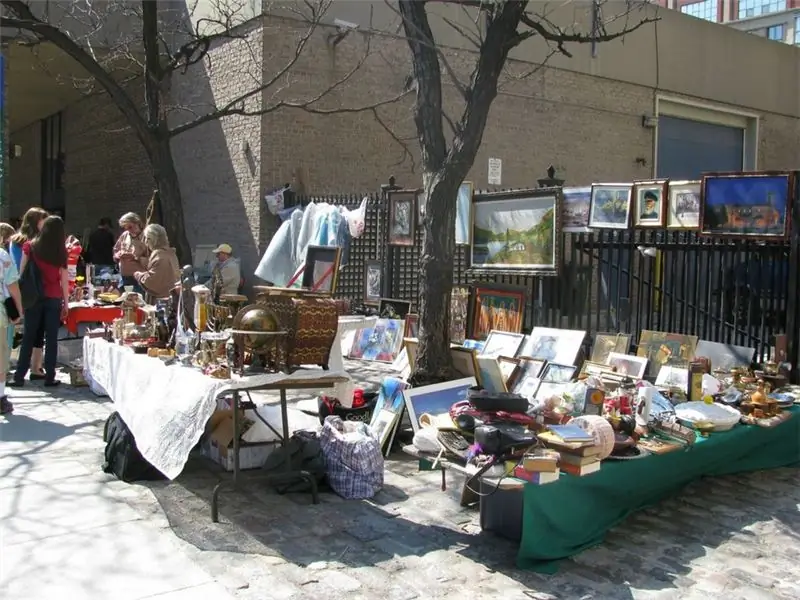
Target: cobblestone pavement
730	537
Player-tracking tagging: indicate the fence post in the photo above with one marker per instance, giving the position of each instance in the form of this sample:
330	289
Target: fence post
793	287
386	252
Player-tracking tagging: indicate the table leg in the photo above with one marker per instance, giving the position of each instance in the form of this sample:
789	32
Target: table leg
218	488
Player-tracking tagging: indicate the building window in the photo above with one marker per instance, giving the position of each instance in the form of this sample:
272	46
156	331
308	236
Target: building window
776	32
797	31
708	10
754	8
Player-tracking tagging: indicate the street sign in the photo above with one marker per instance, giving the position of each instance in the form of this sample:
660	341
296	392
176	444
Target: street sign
495	171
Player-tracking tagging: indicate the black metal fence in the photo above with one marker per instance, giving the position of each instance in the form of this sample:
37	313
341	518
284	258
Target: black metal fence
733	292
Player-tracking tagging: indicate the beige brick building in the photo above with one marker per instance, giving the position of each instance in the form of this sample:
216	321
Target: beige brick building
615	113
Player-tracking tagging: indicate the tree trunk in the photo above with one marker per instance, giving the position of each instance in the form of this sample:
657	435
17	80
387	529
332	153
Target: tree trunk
433	362
166	178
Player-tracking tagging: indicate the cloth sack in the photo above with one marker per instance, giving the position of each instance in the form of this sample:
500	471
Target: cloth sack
353	459
30	284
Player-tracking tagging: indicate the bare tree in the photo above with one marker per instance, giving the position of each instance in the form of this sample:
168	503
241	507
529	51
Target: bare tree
500	26
160	40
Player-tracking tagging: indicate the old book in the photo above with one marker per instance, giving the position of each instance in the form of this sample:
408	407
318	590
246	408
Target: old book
581	470
541	461
575	460
578	448
539	478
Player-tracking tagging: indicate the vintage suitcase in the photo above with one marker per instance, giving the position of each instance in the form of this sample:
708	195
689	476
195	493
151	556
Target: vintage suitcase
311	324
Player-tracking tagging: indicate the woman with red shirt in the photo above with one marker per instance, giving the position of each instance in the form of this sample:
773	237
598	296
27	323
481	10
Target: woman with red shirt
49	253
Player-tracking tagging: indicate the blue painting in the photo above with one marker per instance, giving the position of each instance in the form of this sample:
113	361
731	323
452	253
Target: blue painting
746	205
390	397
381	342
435	399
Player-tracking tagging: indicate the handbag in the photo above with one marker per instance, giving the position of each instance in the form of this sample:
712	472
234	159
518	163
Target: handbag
30	284
11	309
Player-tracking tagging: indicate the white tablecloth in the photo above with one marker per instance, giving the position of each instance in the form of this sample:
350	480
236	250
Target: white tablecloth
167	407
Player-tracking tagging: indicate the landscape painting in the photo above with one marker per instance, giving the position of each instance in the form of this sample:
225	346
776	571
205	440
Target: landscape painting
751	205
516	231
611	206
575	211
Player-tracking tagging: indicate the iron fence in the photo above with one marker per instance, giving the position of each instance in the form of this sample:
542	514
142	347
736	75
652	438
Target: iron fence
733	292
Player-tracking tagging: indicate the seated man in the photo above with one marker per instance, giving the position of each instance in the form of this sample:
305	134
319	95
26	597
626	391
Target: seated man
226	273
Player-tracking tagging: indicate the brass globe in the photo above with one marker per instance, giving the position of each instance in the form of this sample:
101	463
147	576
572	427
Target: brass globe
259	319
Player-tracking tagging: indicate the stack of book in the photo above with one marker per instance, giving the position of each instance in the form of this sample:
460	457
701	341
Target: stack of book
578	454
539	466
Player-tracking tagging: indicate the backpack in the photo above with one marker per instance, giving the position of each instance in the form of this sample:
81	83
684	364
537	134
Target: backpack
30	284
122	457
305	454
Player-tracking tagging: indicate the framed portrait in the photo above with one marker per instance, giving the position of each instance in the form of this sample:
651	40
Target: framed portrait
490	376
555	373
746	205
435	399
501	343
683	205
373	282
661	348
560	346
628	365
610	206
575	206
517	232
402	218
605	343
495	307
650	203
412	326
380	343
464	214
321	270
464	361
390	308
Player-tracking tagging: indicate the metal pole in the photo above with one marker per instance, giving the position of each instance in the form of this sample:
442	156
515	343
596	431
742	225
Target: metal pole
4	183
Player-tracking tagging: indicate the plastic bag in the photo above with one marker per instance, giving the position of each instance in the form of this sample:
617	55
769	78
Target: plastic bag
353	458
274	200
356	219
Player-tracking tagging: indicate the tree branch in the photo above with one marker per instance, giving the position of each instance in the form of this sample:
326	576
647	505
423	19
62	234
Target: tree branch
25	20
407	153
153	72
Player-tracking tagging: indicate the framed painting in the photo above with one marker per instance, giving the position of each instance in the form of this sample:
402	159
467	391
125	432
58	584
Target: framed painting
610	206
509	367
576	203
435	399
380	343
661	348
591	367
373	282
560	346
411	345
502	343
605	343
388	409
459	311
490	376
402	218
555	373
464	214
495	307
683	205
549	389
464	361
650	203
412	326
628	365
746	205
725	356
517	232
390	308
321	270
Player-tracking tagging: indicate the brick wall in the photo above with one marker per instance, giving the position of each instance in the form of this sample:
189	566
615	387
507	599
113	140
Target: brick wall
25	184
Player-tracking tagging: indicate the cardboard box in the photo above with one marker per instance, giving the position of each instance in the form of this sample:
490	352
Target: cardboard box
219	447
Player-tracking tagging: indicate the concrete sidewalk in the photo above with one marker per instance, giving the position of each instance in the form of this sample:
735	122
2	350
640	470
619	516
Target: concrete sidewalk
68	530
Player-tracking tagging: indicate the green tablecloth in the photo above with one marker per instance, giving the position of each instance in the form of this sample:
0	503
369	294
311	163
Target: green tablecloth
563	518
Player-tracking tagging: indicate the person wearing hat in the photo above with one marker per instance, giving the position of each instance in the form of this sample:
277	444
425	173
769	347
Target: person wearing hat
650	208
226	274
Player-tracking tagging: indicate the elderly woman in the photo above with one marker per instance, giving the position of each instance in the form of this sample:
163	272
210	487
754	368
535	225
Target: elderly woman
130	250
163	270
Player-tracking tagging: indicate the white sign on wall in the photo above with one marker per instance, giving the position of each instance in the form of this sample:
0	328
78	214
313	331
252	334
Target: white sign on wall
495	171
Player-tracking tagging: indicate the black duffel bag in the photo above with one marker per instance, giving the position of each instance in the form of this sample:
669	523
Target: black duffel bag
122	457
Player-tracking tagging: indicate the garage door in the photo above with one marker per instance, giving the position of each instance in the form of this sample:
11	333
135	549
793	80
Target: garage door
688	148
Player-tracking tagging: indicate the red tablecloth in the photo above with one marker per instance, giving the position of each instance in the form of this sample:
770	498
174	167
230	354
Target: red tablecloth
94	314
